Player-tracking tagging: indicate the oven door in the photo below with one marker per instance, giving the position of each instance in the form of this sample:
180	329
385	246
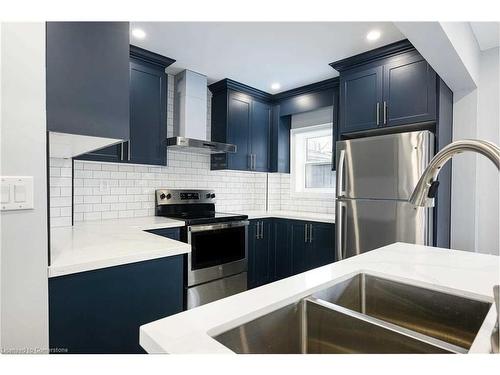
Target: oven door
217	250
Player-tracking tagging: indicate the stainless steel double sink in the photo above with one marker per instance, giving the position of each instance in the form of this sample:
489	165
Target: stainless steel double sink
364	314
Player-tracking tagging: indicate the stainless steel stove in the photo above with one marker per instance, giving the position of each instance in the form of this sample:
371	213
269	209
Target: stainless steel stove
217	264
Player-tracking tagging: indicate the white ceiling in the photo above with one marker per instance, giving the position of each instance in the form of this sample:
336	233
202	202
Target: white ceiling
487	34
257	53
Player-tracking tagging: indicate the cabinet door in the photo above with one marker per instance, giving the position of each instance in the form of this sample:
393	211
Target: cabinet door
260	131
409	91
239	109
300	247
260	238
88	78
323	244
252	245
360	100
101	311
282	249
148	114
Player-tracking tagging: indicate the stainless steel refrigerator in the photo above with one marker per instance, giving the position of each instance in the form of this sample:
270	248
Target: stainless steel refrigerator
375	177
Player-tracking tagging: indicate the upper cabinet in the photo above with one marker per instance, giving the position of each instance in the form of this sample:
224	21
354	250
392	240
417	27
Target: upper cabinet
409	91
241	115
259	123
148	107
388	86
148	113
360	98
87	75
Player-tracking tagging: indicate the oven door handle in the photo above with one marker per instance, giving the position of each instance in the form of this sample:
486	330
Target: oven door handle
217	226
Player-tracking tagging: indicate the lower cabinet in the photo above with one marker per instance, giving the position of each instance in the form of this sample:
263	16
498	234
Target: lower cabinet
312	245
100	311
279	248
260	254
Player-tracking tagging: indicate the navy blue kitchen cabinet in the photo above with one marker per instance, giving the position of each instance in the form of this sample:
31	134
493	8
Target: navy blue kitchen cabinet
260	135
148	113
87	78
260	252
241	115
312	245
360	100
279	248
299	247
100	311
322	244
409	91
282	264
389	86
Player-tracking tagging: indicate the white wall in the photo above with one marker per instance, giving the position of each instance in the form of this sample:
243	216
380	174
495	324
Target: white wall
475	185
24	309
463	184
488	128
449	47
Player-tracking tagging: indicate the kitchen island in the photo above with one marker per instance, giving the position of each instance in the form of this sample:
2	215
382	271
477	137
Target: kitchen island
461	273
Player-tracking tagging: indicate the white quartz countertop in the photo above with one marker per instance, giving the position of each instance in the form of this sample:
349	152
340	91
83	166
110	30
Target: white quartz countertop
466	273
293	215
105	243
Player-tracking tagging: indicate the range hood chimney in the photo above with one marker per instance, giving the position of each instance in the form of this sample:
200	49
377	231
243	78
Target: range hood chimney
190	117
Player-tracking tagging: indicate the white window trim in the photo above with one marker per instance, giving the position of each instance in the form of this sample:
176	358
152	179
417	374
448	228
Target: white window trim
293	172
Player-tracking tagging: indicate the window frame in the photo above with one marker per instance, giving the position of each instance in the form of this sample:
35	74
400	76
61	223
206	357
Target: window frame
298	177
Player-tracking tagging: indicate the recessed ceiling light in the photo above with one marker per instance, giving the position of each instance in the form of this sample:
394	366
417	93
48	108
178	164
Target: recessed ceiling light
373	35
275	86
138	33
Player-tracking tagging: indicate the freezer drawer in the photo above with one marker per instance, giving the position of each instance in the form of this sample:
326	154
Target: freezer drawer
364	225
382	167
201	294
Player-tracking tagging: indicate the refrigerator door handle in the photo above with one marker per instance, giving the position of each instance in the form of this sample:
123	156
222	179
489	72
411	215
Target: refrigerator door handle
340	231
340	174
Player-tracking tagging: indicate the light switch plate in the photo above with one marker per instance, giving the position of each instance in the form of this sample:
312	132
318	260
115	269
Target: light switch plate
17	193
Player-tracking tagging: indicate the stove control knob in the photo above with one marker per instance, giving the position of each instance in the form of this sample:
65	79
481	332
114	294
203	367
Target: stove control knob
169	196
207	196
212	195
162	196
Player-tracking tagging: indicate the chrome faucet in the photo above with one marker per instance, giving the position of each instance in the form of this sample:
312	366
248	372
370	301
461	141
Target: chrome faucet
426	190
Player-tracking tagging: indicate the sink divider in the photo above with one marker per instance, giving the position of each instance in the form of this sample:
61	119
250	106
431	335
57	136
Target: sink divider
378	322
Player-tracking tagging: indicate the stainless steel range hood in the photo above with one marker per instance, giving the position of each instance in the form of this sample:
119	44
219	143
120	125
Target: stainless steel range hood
199	146
190	117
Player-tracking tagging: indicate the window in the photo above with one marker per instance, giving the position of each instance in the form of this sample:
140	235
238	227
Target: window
311	160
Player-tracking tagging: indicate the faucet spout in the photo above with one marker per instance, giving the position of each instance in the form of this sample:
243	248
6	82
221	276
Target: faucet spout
424	192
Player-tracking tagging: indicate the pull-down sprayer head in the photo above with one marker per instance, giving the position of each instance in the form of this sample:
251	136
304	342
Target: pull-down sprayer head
425	191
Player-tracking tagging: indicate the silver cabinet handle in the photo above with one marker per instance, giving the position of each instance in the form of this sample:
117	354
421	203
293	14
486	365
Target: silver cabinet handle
257	231
305	233
121	151
385	112
249	161
129	149
310	233
262	230
378	113
253	161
